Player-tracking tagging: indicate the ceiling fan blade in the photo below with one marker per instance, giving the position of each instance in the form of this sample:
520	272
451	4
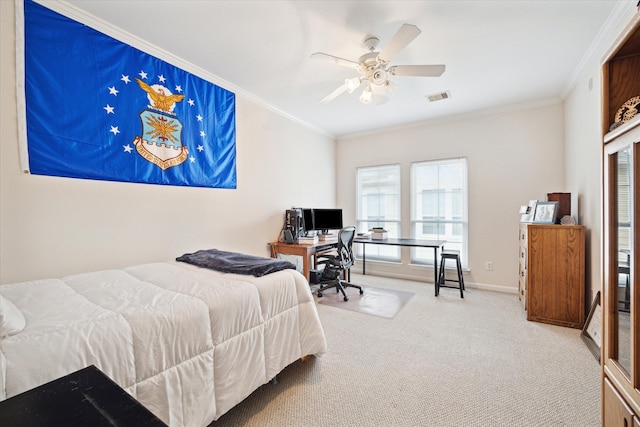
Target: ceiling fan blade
417	70
339	91
405	35
335	60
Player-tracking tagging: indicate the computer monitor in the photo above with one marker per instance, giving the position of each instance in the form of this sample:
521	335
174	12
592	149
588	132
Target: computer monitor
307	217
327	219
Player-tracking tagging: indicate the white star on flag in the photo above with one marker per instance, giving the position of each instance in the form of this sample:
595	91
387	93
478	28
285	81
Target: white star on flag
125	79
191	102
161	78
142	75
199	117
127	148
202	134
114	130
200	148
109	109
113	91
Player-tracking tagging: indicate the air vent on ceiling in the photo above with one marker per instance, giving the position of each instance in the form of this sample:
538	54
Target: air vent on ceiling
439	96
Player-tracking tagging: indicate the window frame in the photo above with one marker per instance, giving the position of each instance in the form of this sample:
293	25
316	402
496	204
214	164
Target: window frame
392	224
443	228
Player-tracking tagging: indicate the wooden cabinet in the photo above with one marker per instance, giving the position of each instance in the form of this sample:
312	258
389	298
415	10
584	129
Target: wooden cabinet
552	273
621	299
621	311
616	412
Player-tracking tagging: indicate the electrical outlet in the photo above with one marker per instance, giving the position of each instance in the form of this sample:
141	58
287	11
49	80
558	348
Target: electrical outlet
488	265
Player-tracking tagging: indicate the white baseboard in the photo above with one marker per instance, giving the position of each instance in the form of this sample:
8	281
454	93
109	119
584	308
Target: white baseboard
429	280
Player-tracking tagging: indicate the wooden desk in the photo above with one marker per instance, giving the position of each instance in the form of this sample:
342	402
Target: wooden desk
306	251
435	244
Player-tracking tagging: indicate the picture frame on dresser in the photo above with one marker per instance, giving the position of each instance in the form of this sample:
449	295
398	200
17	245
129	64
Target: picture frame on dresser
527	216
592	330
545	213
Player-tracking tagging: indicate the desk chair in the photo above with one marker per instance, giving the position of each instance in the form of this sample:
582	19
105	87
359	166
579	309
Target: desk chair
338	264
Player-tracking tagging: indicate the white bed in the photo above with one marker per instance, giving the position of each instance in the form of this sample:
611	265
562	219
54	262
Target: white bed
188	342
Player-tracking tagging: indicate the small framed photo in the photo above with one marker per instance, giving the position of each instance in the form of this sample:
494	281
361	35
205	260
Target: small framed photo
526	212
545	213
592	330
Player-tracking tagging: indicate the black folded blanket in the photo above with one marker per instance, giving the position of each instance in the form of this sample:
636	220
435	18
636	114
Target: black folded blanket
233	262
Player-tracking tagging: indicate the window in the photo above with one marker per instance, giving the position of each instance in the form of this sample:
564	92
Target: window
624	199
439	206
378	205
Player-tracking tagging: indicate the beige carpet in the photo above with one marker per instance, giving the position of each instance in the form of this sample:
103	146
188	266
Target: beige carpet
440	362
381	302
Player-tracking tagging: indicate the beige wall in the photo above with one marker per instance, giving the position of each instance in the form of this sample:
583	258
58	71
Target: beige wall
583	168
513	157
583	144
50	227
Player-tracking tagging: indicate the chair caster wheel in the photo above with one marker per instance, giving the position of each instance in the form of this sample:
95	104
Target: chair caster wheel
320	294
346	299
361	292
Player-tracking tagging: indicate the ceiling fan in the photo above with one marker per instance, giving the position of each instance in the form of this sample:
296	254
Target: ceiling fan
374	67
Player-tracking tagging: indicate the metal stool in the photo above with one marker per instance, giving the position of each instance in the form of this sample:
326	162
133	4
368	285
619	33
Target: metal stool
441	283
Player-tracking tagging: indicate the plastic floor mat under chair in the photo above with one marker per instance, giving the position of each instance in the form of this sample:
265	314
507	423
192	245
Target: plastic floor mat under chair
379	302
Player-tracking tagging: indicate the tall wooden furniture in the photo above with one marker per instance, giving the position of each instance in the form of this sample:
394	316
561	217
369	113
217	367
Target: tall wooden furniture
552	273
621	300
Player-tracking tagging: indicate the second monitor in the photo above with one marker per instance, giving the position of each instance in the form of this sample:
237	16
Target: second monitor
322	220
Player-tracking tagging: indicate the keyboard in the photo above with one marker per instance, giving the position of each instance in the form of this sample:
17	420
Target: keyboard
327	247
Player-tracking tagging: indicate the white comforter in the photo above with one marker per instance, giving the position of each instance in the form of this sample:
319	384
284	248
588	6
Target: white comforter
189	343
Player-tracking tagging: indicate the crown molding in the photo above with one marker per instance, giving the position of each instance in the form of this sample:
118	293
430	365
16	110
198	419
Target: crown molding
622	13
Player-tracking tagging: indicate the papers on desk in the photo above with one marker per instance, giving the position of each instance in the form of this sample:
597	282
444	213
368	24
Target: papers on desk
363	235
308	240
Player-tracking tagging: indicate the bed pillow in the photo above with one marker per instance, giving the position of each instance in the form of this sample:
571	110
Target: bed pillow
12	320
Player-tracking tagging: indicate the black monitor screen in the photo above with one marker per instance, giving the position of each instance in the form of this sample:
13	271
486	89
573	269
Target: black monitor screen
307	217
327	219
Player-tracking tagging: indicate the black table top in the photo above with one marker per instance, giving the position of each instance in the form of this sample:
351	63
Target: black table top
83	398
403	242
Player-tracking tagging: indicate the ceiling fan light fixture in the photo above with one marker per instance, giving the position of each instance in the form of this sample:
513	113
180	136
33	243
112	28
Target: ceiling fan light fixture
352	84
374	68
378	77
391	87
367	96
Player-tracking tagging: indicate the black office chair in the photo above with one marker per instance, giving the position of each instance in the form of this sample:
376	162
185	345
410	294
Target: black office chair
337	265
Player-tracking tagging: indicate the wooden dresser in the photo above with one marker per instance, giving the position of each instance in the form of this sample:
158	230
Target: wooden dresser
551	281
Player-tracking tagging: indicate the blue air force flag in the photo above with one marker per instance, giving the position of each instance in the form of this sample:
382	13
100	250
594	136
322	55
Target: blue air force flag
97	108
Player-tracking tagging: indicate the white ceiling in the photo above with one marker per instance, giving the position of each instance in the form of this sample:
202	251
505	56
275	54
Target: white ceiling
497	53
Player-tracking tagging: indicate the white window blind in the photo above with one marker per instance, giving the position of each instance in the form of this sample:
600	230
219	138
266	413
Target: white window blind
439	206
378	205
